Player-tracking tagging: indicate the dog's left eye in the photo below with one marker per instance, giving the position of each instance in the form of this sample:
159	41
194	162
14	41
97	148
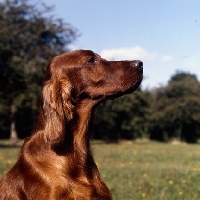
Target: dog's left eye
91	60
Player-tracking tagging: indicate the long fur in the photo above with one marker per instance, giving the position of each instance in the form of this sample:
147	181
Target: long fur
56	161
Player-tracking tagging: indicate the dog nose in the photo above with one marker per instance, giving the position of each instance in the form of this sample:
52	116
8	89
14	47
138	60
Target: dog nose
138	64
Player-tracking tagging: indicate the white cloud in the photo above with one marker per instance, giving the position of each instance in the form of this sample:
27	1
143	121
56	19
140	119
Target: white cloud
134	53
166	58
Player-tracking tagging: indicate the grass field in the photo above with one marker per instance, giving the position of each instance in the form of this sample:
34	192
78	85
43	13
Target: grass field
150	170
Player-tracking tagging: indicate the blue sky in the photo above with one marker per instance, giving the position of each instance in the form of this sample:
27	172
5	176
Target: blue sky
165	35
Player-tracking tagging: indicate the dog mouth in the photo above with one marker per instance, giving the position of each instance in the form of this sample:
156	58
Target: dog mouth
113	95
128	91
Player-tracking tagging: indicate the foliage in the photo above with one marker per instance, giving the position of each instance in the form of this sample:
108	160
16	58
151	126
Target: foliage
165	113
176	109
137	171
125	117
28	41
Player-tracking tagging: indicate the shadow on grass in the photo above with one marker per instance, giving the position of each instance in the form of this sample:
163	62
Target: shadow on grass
8	144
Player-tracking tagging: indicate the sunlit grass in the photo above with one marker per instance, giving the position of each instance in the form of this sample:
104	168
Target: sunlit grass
153	171
150	170
8	156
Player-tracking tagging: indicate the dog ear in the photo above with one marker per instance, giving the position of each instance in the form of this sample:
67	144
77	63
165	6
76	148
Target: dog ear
57	107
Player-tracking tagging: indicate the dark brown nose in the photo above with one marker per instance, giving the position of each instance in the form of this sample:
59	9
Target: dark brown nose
138	65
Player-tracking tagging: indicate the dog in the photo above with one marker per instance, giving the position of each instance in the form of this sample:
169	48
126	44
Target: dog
56	162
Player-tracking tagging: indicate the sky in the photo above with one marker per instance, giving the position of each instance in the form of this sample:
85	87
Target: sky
164	34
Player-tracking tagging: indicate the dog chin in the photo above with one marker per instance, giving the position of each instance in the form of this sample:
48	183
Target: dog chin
115	95
128	91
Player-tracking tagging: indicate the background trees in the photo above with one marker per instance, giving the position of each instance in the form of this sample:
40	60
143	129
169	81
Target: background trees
125	117
28	41
166	113
176	109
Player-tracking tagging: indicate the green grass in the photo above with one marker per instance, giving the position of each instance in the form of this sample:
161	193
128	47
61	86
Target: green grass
8	156
151	170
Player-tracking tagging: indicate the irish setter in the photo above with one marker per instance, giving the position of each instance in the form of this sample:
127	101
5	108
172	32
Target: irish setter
56	162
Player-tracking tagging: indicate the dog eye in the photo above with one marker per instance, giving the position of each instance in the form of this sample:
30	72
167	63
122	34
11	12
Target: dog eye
92	60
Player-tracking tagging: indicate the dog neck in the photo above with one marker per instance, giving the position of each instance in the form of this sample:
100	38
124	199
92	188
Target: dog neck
78	132
81	124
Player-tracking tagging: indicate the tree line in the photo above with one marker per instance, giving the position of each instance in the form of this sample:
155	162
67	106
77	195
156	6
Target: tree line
164	113
29	40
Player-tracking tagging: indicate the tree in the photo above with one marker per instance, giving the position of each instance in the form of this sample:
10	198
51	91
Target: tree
125	117
28	41
176	109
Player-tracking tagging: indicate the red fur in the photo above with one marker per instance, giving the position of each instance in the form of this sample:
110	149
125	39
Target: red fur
56	162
